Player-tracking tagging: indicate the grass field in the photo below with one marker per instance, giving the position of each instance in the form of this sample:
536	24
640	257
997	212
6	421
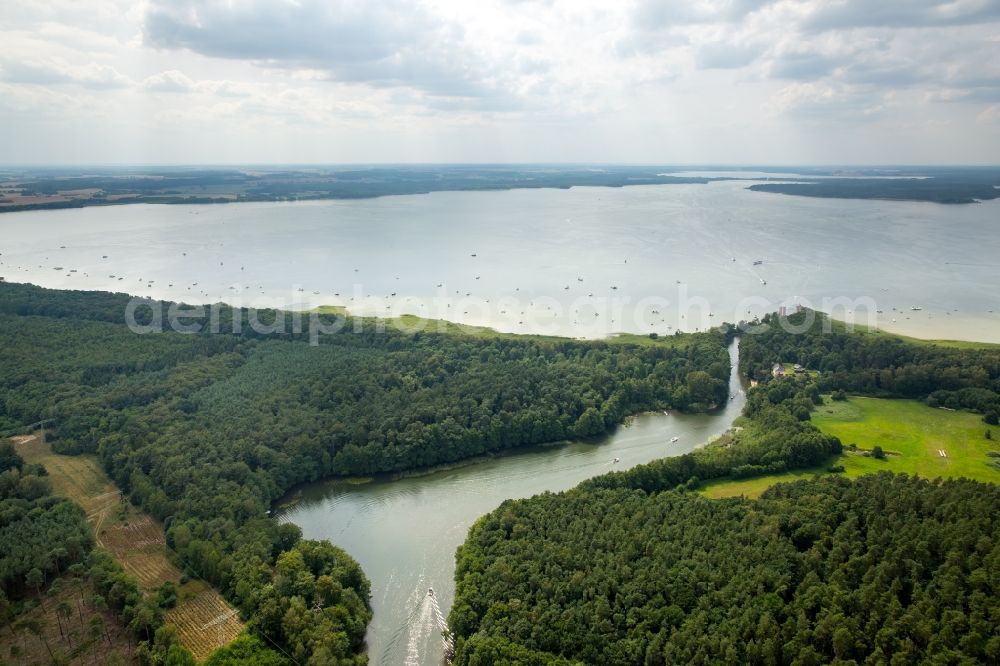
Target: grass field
137	541
414	323
916	433
755	486
910	432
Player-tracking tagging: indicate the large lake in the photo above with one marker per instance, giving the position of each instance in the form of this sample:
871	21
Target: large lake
578	262
581	262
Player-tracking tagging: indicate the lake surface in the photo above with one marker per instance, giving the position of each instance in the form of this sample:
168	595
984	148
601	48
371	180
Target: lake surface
405	532
581	262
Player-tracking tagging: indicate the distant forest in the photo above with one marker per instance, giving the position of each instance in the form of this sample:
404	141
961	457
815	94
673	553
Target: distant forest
55	187
937	185
75	188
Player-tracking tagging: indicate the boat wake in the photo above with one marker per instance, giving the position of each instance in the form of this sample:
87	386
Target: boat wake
424	622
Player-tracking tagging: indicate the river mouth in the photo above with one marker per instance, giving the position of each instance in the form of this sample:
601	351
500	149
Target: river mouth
404	531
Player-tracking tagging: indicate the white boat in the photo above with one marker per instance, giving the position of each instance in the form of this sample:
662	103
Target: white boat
674	439
916	308
616	460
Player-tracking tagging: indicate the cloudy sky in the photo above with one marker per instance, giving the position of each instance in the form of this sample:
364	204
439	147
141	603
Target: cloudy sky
639	81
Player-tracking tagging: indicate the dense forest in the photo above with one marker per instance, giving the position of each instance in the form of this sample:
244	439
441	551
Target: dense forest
631	567
41	534
204	431
875	364
824	571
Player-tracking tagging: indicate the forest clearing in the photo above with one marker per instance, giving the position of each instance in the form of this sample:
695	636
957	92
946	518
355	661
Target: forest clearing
137	541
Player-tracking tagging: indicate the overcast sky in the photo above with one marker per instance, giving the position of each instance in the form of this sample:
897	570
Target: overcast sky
661	81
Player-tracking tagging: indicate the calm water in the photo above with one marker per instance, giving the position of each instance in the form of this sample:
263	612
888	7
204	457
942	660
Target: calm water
580	262
405	532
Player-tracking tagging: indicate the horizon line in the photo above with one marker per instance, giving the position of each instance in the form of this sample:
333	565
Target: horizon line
637	164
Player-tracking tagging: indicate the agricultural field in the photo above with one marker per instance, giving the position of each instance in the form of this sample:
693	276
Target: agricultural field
912	435
203	619
137	541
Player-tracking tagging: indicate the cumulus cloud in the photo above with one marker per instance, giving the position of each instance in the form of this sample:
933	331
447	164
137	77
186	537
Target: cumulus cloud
727	56
829	103
171	81
989	115
901	13
641	77
803	65
392	43
55	72
658	14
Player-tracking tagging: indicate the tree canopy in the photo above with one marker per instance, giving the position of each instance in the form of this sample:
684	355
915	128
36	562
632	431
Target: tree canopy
822	571
205	431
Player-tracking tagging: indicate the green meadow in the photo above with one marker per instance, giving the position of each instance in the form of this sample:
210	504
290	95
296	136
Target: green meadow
409	323
909	432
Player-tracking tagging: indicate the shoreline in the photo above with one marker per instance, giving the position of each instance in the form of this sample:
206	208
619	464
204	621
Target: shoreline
291	498
958	343
237	197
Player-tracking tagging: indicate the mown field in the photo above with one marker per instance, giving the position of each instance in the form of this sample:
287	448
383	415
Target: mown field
914	433
911	434
137	541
